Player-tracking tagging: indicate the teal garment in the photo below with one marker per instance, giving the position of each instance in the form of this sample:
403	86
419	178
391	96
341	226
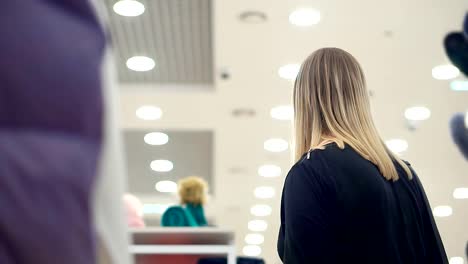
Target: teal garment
191	215
198	213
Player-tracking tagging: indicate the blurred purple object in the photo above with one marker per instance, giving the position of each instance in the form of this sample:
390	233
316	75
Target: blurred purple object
456	47
51	117
460	133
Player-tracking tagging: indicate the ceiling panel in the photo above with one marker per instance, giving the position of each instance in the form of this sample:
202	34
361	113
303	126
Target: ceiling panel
176	33
191	152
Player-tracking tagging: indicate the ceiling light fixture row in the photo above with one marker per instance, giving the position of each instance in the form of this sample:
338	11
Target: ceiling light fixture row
134	8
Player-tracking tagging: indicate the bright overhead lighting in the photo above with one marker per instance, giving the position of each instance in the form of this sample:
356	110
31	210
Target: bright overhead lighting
130	8
459	85
254	239
257	225
456	260
282	112
304	17
252	250
156	138
154	208
417	113
260	210
166	186
275	145
269	170
264	192
161	165
445	72
443	211
397	146
289	71
460	193
140	63
149	112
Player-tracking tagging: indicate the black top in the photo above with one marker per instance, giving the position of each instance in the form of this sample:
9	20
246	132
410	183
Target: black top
338	208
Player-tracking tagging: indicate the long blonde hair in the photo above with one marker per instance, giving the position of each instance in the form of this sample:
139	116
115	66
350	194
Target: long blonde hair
331	103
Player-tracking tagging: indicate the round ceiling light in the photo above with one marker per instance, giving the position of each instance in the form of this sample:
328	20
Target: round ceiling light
269	170
459	85
140	63
445	72
149	112
253	17
130	8
161	165
260	210
282	112
289	71
275	145
252	250
166	186
417	113
443	211
304	17
264	192
257	225
456	260
460	193
254	239
397	146
156	138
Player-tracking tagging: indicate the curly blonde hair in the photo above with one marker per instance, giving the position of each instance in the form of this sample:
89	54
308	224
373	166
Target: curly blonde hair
193	190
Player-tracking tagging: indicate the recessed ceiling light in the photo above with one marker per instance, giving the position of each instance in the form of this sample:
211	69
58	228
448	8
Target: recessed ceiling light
154	208
456	260
243	112
264	192
257	225
417	113
289	71
397	146
166	186
253	17
304	17
269	170
282	112
140	63
156	138
443	211
459	85
445	72
161	165
260	210
460	193
254	239
252	250
149	112
275	145
130	8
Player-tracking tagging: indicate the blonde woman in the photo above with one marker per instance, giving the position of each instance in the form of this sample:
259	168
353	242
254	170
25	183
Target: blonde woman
348	199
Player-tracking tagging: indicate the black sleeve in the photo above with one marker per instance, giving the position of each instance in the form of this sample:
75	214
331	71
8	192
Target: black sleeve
308	217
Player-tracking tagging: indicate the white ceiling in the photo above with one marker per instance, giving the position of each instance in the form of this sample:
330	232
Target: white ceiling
398	70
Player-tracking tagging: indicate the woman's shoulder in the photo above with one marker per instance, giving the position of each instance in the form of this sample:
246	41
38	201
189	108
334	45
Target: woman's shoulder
315	166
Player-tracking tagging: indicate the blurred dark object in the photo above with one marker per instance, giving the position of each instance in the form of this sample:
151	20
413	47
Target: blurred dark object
459	133
456	47
240	260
